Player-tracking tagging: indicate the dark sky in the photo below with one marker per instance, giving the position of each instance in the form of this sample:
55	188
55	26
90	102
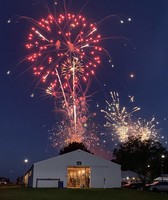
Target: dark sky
24	121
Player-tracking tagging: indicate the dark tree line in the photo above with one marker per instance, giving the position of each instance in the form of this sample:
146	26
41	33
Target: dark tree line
143	157
72	147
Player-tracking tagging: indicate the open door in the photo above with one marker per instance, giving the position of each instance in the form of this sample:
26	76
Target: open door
78	177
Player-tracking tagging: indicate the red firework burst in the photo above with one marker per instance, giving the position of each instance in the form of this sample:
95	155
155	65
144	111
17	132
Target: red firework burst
55	42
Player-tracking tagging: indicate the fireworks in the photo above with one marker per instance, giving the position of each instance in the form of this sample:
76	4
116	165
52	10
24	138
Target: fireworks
118	117
64	51
124	125
63	133
146	129
55	41
116	112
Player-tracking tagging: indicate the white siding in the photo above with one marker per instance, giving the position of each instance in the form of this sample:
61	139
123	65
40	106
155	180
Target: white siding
106	176
47	184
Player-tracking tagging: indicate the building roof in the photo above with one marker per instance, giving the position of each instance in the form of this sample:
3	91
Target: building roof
162	177
79	154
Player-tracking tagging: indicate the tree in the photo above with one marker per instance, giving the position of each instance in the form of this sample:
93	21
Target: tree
4	180
72	147
19	180
144	158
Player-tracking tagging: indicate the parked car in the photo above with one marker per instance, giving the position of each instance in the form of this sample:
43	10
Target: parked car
135	186
161	186
3	182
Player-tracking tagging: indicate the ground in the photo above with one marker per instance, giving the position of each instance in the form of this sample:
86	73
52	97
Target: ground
20	193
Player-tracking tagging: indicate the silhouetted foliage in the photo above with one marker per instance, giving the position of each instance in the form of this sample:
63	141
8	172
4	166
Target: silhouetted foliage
4	180
19	180
72	147
142	157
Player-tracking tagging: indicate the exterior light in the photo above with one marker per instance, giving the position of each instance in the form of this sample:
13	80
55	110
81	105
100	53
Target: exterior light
26	160
162	157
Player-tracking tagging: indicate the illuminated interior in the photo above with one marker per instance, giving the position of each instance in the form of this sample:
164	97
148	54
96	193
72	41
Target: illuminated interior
78	177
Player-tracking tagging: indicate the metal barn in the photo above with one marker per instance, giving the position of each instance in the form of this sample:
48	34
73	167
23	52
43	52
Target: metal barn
77	169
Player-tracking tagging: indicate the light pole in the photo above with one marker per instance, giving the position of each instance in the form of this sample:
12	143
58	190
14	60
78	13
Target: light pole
148	172
25	162
162	160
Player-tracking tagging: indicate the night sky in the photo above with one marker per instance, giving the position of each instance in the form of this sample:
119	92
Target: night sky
25	121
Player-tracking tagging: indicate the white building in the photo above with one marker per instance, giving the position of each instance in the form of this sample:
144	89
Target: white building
77	169
162	177
130	177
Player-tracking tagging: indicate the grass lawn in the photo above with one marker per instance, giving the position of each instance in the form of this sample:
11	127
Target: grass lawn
15	193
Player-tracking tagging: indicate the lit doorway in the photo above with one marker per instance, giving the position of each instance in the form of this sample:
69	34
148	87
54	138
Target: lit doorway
78	177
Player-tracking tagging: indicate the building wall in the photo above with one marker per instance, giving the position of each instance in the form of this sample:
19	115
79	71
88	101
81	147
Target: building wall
130	177
51	169
105	177
30	177
56	168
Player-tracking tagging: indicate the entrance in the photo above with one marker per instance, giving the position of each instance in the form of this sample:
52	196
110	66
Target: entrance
78	177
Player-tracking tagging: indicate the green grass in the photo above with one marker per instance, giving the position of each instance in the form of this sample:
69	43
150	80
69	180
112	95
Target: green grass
14	193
